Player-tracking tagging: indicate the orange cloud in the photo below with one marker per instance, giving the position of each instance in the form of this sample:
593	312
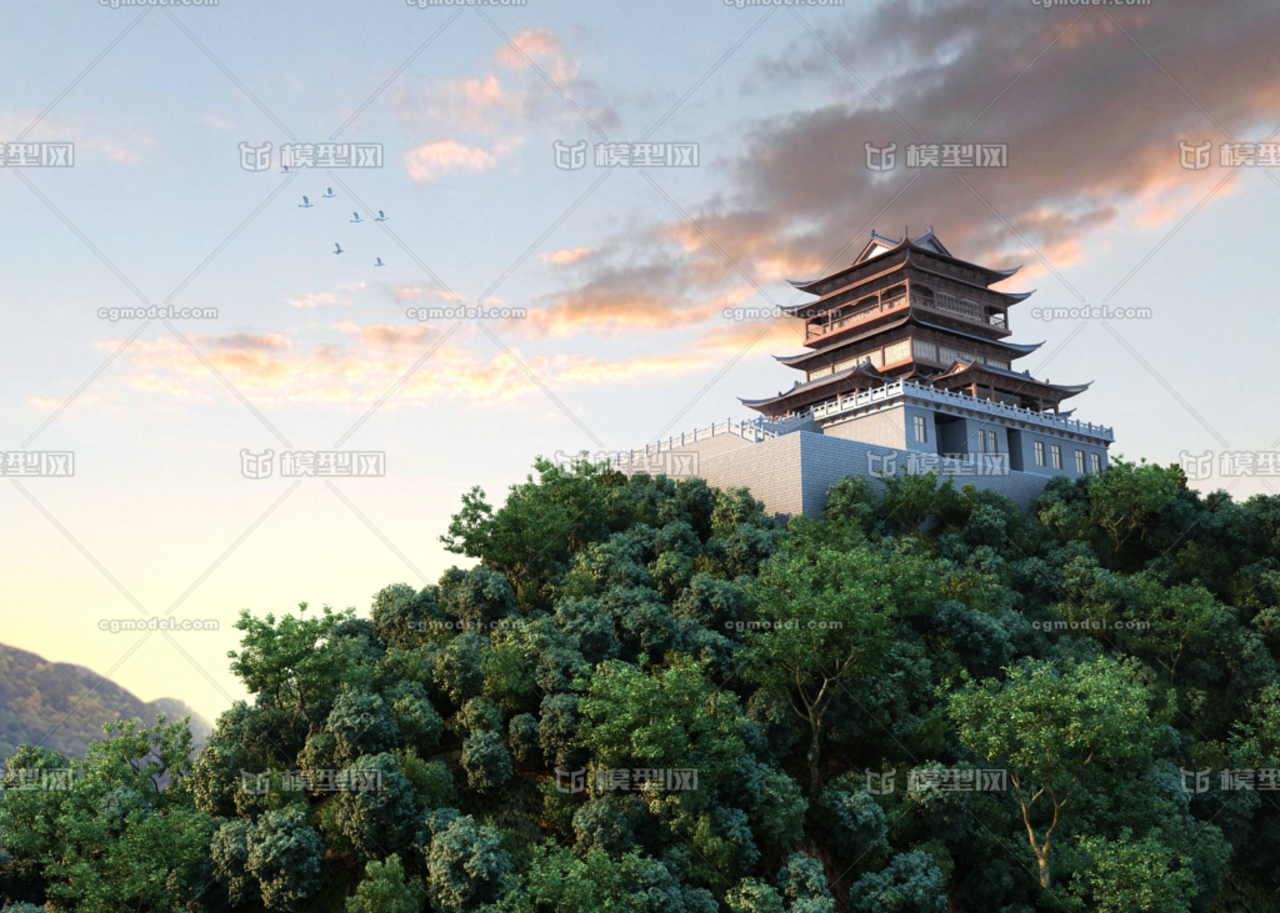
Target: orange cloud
566	255
431	160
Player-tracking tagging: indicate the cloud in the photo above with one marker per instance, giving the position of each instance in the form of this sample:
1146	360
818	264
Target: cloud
431	160
508	100
368	359
217	122
1090	122
339	294
619	297
313	299
566	255
385	335
90	133
538	47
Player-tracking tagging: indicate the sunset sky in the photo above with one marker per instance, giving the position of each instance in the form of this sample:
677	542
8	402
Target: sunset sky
625	273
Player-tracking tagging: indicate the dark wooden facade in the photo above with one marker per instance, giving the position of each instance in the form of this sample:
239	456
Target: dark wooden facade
910	310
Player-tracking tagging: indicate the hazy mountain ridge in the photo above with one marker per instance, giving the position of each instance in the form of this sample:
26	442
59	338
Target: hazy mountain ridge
64	706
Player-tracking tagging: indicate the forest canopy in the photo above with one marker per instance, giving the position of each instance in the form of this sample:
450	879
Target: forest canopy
649	696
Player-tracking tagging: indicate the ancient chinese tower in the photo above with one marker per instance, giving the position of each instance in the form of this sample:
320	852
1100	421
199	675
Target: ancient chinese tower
907	366
909	310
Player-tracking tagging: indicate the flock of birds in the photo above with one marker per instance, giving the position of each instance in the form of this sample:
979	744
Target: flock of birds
356	220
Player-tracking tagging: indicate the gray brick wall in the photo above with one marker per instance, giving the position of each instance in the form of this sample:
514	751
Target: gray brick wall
792	473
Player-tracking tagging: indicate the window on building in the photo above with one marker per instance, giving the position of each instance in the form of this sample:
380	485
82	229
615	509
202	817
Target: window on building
961	307
993	442
1097	462
926	350
922	434
1056	452
1039	453
1080	462
899	351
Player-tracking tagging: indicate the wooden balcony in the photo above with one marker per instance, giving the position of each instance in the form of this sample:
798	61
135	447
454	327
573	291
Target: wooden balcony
862	316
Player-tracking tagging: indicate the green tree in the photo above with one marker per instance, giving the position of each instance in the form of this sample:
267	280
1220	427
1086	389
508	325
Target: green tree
467	865
385	890
103	832
1046	723
1126	874
827	617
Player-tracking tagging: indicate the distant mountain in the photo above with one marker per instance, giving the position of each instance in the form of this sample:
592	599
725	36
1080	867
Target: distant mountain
64	707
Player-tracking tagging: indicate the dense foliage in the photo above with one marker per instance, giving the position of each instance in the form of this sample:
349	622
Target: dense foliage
647	696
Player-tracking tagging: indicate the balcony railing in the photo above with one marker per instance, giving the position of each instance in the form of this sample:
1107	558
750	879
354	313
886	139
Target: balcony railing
866	313
853	401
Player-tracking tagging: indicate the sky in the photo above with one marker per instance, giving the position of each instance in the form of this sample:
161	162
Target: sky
625	302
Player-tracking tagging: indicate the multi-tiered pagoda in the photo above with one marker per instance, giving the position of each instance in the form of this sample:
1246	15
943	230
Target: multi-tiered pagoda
908	368
909	310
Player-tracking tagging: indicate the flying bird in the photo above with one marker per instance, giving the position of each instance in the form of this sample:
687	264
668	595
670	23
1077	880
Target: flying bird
305	204
329	195
379	263
357	217
337	248
381	216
